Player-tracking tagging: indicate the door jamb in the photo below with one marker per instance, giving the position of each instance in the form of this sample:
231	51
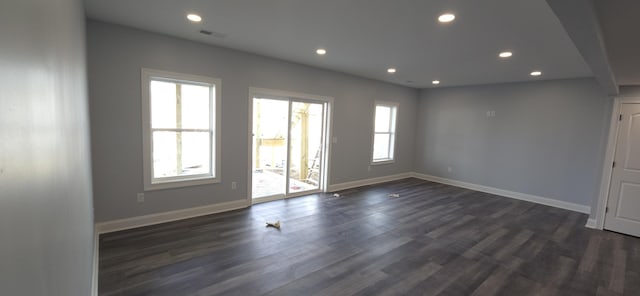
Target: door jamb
607	168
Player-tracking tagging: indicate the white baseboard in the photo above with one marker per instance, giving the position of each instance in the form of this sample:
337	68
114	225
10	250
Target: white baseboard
146	220
128	223
96	262
140	221
365	182
591	223
506	193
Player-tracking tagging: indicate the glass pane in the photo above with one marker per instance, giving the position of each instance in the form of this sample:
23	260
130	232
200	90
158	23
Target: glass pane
195	106
381	146
163	104
181	154
305	149
196	153
269	147
383	116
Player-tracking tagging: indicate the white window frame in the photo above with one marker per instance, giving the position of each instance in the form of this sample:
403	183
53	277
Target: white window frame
392	132
214	128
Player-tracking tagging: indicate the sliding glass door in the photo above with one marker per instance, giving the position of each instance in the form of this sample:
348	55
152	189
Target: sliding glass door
288	147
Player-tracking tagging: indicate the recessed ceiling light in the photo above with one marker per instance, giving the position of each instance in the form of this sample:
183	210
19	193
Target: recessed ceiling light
536	73
435	82
446	18
321	51
194	18
505	54
391	70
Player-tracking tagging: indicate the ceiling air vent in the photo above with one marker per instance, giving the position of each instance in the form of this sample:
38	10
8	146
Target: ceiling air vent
212	33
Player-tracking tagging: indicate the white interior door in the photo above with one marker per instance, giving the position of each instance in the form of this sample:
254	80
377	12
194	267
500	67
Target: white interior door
623	206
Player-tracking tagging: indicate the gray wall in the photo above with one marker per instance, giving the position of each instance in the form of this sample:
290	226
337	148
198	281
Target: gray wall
630	91
116	55
547	138
46	220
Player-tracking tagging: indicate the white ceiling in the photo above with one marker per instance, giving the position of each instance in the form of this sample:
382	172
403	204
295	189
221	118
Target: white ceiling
365	37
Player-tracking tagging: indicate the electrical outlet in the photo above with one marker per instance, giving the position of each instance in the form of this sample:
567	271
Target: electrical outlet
368	168
449	169
334	140
234	185
140	197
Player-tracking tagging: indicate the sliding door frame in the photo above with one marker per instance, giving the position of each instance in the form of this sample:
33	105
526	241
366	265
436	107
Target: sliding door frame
326	137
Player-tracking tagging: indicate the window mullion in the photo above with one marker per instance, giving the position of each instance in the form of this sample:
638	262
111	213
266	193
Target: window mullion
212	144
389	148
178	126
390	123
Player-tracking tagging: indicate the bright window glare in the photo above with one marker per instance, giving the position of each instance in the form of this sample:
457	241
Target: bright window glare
177	152
163	104
383	115
273	118
195	153
195	106
381	146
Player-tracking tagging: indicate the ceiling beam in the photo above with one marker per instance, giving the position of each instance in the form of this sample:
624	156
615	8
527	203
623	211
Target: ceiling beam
579	19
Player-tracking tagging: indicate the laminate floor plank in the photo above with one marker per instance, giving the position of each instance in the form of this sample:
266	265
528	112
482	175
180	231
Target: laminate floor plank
433	239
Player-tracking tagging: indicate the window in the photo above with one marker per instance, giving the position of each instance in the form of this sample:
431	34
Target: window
384	134
181	118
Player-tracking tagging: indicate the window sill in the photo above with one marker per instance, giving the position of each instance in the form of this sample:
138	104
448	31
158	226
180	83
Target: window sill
180	183
381	162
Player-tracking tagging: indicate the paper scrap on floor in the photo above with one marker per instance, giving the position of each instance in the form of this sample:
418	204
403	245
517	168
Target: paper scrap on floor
275	225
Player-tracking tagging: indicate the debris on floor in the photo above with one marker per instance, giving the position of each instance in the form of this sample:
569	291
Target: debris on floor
336	195
394	195
275	225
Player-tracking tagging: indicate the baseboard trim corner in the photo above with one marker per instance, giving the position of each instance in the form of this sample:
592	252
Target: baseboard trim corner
152	219
506	193
591	223
96	261
365	182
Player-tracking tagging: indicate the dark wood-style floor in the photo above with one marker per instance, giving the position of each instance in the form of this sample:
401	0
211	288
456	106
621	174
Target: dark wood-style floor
432	240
